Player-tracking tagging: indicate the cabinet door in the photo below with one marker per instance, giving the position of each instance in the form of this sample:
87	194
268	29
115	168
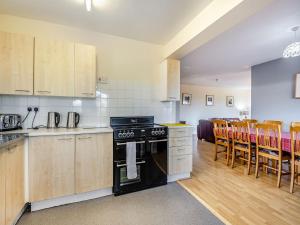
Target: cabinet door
16	64
105	145
85	70
51	167
87	163
15	199
181	164
53	68
2	185
94	162
173	89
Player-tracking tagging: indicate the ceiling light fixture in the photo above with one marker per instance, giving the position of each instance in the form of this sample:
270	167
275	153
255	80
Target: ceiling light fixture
88	5
292	50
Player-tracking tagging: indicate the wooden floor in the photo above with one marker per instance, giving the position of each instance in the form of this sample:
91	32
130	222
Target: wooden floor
237	198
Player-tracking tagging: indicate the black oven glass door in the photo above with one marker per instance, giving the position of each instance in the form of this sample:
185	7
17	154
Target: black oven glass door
157	162
120	151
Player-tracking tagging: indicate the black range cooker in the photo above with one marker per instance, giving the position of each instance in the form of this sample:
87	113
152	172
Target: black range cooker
151	153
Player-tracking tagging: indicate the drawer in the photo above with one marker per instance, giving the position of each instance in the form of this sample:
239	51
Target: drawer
182	164
183	150
181	132
177	142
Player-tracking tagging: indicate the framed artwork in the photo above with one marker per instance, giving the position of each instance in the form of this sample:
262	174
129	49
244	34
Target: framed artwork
297	88
210	100
186	99
230	101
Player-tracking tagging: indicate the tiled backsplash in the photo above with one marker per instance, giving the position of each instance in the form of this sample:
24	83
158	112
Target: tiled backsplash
116	98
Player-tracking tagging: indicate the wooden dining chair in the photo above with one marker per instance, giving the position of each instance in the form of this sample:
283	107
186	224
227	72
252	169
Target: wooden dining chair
268	146
241	143
221	138
295	151
251	122
276	122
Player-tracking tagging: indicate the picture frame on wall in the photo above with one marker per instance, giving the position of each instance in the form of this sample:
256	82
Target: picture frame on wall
186	99
210	100
230	101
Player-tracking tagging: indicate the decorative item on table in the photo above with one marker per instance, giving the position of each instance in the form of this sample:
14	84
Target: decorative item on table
210	100
230	101
186	99
244	114
182	122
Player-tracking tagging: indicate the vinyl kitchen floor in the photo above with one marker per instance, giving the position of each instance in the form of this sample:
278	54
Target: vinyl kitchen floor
165	205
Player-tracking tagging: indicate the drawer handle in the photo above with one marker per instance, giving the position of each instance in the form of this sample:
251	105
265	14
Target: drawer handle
22	91
179	159
172	97
12	147
180	149
84	138
65	139
87	94
44	91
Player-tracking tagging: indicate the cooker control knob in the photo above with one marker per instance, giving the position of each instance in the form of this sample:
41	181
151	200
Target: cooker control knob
131	134
127	135
156	132
153	132
163	132
119	135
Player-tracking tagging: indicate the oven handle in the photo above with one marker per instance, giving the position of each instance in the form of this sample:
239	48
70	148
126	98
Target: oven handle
138	142
162	140
121	165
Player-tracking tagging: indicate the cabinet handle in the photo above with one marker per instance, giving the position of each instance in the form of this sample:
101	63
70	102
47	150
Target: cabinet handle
12	147
172	97
84	138
90	94
64	139
180	159
22	91
44	91
180	149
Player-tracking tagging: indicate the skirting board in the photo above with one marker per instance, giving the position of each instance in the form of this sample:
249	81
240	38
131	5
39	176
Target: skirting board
172	178
35	206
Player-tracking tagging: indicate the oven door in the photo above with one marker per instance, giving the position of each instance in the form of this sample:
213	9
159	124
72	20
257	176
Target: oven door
157	162
122	184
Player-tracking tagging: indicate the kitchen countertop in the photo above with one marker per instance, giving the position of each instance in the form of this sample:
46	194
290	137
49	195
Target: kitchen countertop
9	139
60	131
176	125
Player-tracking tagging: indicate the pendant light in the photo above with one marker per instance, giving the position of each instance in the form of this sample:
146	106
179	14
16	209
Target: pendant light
88	5
293	49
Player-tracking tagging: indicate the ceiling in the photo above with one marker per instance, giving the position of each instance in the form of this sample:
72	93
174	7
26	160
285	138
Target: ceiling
258	39
155	21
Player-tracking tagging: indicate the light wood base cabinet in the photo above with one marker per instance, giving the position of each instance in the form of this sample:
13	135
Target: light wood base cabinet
51	167
12	198
94	162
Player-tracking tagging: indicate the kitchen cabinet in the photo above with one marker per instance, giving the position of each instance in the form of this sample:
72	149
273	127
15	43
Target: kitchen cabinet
94	162
51	167
53	68
180	150
170	74
85	70
16	64
11	183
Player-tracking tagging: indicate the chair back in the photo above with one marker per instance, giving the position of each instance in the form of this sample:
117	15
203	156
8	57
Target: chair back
294	124
295	139
268	136
240	132
277	122
221	129
251	122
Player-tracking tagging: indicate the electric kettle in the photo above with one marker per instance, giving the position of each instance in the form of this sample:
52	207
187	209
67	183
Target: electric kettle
53	119
73	119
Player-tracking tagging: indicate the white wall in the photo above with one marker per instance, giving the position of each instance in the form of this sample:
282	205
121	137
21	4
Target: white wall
198	109
132	70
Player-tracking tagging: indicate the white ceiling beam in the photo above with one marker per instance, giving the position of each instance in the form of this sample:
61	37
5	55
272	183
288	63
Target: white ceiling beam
217	17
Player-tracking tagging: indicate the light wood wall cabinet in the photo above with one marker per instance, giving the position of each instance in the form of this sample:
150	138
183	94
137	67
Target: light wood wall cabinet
53	68
11	183
16	64
51	167
85	70
94	158
170	72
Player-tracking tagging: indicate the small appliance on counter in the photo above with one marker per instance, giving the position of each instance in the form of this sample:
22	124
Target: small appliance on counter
73	119
53	119
10	122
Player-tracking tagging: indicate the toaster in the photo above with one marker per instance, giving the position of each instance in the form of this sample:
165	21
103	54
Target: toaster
10	122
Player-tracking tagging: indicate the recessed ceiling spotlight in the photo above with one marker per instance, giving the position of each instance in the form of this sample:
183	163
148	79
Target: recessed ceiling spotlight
293	49
88	5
